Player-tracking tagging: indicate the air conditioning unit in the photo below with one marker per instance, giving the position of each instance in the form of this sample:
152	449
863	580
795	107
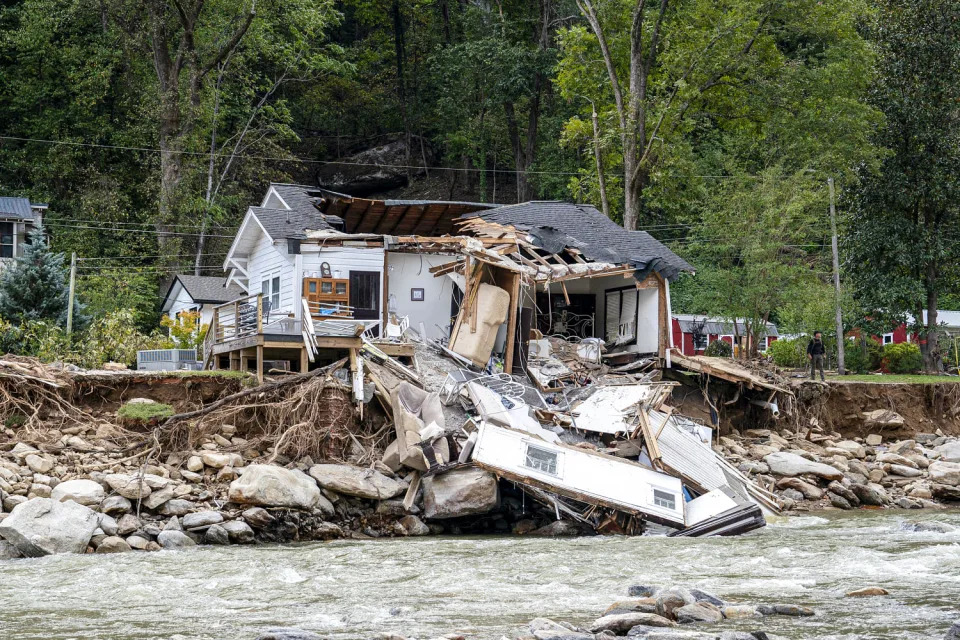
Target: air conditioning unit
168	360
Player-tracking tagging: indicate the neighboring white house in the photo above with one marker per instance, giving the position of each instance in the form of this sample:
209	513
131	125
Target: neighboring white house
198	293
17	217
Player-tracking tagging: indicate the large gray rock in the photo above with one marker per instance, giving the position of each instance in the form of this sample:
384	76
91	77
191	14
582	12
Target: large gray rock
927	526
8	551
128	486
113	544
115	505
175	540
42	526
268	485
354	481
953	633
698	612
85	492
461	492
945	473
784	463
201	519
949	451
176	507
871	494
239	531
620	623
158	498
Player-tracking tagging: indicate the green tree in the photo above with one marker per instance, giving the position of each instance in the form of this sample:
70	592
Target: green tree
902	245
33	287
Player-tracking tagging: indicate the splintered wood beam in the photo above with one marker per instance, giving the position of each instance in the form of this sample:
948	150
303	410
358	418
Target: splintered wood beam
446	266
566	296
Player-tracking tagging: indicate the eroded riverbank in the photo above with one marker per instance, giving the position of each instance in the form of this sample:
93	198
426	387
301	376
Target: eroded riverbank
491	586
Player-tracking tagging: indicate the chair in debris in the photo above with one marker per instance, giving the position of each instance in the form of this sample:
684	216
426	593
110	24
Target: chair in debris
418	418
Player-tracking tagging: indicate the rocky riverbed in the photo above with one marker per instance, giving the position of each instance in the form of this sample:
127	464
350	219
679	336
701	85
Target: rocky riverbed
491	587
811	470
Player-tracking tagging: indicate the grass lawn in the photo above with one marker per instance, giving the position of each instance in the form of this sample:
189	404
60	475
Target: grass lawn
209	373
894	379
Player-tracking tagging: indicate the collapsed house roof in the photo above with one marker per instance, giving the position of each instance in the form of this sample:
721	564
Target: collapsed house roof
395	217
554	225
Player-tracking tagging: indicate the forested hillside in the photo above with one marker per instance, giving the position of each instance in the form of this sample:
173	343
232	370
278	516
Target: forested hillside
150	126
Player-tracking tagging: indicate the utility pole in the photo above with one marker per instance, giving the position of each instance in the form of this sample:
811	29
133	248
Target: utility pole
836	279
73	287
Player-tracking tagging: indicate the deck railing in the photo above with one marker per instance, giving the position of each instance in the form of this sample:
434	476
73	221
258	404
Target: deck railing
239	318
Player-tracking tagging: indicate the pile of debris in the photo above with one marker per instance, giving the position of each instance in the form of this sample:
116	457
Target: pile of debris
598	447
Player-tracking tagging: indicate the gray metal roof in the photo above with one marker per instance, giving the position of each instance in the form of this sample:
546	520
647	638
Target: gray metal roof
16	207
718	326
207	289
556	224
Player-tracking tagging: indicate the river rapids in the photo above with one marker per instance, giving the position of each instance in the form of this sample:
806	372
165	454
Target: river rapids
492	586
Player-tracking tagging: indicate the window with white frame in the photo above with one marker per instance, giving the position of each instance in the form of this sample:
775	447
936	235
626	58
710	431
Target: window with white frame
761	343
665	499
541	460
700	341
270	288
888	338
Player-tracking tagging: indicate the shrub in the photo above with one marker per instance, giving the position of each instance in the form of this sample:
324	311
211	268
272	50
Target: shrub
863	356
902	358
718	349
115	338
790	353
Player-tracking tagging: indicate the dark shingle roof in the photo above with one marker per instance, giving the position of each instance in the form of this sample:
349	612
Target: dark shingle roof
557	224
16	207
281	223
208	289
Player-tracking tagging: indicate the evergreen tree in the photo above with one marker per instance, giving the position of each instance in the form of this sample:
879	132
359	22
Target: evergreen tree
34	287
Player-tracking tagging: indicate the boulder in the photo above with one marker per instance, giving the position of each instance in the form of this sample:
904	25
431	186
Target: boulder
839	501
411	526
175	540
947	473
945	492
784	463
882	418
643	605
239	531
221	460
895	458
41	463
854	448
737	611
176	507
257	517
461	492
642	590
953	633
42	526
115	505
268	485
904	471
558	529
844	492
702	596
355	481
868	591
871	494
874	439
113	544
216	535
621	623
8	551
668	600
201	519
85	492
927	526
127	524
128	486
158	498
698	612
809	491
949	451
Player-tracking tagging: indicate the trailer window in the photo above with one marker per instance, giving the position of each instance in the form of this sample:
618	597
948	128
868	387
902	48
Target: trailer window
541	460
664	499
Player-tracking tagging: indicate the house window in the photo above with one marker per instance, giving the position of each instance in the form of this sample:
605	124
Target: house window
665	499
621	314
762	343
6	239
888	338
270	289
541	460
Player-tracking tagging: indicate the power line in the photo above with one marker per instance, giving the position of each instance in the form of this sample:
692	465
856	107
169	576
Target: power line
143	231
296	160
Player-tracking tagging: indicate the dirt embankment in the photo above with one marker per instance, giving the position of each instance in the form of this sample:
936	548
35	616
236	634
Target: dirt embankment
840	407
105	392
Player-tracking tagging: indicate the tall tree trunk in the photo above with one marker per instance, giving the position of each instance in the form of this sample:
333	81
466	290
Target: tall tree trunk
601	178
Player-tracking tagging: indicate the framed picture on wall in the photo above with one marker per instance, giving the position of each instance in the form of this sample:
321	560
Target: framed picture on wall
416	295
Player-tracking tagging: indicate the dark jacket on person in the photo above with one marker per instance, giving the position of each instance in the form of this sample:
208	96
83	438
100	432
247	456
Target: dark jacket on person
815	348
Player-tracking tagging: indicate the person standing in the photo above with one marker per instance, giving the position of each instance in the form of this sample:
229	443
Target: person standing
815	353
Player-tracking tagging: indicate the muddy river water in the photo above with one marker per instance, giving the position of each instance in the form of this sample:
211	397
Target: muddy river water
488	587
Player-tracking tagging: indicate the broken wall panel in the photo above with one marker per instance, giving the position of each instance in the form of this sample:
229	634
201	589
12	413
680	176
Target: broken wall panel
583	475
609	409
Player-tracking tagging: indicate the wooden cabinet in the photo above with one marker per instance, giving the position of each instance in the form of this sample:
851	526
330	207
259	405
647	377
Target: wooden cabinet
327	292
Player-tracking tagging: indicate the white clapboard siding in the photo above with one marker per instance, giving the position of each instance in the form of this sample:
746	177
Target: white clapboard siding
344	259
268	260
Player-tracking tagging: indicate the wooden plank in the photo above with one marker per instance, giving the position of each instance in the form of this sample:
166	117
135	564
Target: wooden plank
566	296
338	342
260	363
396	349
653	448
664	321
512	325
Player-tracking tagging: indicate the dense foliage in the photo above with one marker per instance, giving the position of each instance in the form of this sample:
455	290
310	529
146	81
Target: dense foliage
33	287
902	358
150	126
789	352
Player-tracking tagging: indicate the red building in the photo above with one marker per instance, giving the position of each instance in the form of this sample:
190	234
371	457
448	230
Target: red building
692	333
